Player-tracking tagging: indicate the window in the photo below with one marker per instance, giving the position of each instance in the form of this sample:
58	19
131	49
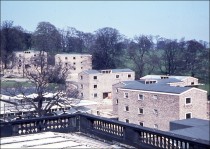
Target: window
117	76
74	68
74	63
141	111
140	97
81	77
155	97
95	77
98	112
156	126
155	111
125	95
188	100
116	101
116	90
141	123
66	57
66	64
81	94
81	86
188	115
192	83
34	54
74	57
81	67
127	120
95	95
95	86
126	108
19	60
129	75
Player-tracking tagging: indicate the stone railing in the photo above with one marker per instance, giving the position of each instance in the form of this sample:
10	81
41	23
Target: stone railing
103	128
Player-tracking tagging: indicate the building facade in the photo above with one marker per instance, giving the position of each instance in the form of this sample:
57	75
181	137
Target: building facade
180	81
97	85
154	106
78	63
29	59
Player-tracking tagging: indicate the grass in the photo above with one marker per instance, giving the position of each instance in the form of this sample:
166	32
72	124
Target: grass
14	83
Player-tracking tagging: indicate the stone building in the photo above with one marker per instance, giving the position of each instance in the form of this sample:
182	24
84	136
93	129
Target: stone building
155	105
29	59
171	80
79	63
97	84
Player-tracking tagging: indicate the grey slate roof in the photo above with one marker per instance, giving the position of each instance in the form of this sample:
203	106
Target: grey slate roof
192	122
198	128
91	71
121	70
113	71
166	81
136	85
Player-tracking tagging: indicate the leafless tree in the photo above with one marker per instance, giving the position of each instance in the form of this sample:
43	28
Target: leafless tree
44	79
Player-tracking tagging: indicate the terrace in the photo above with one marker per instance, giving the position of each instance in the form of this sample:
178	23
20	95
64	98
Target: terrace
103	129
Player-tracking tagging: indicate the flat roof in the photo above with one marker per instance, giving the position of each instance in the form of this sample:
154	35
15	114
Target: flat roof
198	128
159	77
136	85
112	70
54	140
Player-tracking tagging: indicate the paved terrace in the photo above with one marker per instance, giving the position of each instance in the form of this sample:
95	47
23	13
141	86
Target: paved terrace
55	140
97	127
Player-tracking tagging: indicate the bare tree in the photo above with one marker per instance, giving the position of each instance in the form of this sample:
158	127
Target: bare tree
45	79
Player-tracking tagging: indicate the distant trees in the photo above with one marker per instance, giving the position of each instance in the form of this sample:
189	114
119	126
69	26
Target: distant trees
138	51
110	49
107	48
47	38
12	39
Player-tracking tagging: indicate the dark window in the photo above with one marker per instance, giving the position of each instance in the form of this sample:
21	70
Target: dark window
188	115
192	83
125	95
95	86
141	123
74	63
140	97
116	101
126	108
188	100
95	95
129	75
81	77
141	111
94	77
117	76
74	57
127	120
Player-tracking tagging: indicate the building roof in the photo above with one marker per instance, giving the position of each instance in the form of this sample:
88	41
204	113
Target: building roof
72	54
91	71
159	77
198	128
167	81
113	71
192	122
122	70
136	85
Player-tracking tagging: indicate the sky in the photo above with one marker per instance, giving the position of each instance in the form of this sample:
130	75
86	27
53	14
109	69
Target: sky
168	19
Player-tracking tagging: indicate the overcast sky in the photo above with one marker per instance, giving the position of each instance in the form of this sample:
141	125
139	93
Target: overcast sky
173	20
